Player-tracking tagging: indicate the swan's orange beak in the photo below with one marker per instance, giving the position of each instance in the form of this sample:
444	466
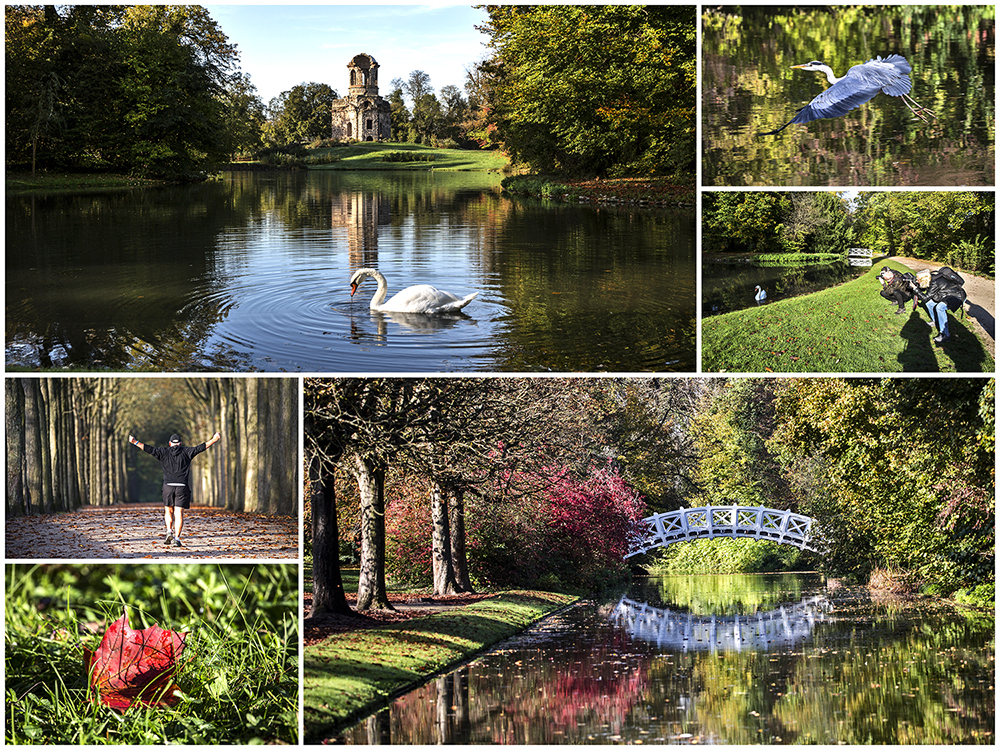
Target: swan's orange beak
354	288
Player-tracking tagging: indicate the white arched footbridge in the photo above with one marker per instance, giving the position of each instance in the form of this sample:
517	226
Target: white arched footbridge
761	631
688	524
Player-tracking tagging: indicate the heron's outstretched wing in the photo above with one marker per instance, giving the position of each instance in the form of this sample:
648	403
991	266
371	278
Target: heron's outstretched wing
860	85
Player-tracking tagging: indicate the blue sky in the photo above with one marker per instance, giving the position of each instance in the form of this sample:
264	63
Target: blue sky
281	46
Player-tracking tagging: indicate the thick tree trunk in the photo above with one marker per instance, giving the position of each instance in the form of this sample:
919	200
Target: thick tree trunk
371	485
328	586
14	429
459	559
444	572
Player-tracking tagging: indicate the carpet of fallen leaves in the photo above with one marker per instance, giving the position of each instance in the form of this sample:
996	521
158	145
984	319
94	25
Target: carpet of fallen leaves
407	607
635	190
137	530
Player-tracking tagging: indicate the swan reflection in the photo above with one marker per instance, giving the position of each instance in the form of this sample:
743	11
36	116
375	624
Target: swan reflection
761	631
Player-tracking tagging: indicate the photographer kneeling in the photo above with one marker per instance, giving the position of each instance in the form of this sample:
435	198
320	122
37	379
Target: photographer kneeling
897	288
941	290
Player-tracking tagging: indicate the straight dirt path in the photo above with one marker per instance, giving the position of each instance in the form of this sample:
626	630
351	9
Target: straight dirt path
982	294
137	531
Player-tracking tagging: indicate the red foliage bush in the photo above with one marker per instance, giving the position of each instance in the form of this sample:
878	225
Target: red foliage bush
576	530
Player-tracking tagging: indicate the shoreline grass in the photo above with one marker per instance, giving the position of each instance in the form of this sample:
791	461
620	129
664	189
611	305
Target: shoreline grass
847	328
353	673
20	182
238	682
396	156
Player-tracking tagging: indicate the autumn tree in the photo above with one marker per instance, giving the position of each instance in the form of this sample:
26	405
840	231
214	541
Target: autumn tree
900	474
324	447
592	89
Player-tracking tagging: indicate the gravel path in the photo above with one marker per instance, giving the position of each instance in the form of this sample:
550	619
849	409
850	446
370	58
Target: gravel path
982	295
137	531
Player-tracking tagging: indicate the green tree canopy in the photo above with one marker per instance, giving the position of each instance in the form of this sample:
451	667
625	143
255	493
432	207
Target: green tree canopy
301	114
135	88
592	90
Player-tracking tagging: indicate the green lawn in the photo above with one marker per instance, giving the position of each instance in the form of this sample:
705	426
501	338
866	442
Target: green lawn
239	679
356	672
848	328
365	156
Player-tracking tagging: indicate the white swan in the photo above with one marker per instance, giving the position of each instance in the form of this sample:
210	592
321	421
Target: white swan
421	298
760	296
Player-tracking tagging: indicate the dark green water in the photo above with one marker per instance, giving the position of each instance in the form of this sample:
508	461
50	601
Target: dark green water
748	87
252	274
730	286
730	660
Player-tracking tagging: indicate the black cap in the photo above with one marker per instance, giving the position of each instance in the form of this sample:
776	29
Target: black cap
175	439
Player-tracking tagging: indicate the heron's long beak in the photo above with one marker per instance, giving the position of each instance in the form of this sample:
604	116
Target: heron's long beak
354	287
803	65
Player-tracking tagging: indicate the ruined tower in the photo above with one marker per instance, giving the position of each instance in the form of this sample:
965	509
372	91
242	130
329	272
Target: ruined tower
362	115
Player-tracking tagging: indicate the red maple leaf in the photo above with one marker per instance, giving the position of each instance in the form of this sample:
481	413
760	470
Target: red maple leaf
134	665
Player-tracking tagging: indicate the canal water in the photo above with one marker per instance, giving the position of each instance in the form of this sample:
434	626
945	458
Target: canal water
731	286
252	272
748	660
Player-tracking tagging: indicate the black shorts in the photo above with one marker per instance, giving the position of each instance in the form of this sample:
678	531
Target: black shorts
179	497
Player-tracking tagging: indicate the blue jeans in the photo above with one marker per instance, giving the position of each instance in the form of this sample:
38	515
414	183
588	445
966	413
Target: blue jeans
939	315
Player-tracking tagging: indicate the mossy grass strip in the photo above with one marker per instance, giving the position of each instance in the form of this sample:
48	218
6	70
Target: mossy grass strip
390	156
847	328
351	674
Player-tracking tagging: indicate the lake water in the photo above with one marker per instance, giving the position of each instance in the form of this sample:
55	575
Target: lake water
730	286
748	87
251	273
748	660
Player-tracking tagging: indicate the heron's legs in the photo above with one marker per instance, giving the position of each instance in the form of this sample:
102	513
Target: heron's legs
918	109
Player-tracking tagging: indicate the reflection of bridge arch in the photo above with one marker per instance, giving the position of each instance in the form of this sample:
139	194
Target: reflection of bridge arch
688	524
761	631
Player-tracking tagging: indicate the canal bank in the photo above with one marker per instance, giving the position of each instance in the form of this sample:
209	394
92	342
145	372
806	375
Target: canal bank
352	673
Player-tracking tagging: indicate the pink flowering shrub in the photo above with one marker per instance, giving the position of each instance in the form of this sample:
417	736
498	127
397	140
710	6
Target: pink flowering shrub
575	530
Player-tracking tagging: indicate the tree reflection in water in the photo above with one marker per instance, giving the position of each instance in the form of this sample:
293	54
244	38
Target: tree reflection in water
892	672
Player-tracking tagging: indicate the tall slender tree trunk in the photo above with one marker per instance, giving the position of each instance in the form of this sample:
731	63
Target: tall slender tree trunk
32	448
371	485
328	585
459	559
444	572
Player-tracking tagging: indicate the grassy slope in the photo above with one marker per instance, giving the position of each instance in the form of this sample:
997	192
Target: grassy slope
848	328
355	672
363	156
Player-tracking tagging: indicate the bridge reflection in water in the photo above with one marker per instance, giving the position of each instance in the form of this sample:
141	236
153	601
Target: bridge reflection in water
683	631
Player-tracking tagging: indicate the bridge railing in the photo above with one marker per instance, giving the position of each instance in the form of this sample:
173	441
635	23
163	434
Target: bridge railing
687	524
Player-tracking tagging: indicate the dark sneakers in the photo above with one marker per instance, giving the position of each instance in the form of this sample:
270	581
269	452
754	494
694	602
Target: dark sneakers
177	542
169	538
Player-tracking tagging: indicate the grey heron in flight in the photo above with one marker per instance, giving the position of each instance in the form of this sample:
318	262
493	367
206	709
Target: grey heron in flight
860	84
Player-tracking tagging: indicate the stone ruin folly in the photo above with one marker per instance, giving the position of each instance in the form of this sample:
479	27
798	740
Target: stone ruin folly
362	115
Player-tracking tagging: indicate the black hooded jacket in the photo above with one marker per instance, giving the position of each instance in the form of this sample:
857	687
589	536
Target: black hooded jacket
946	286
175	460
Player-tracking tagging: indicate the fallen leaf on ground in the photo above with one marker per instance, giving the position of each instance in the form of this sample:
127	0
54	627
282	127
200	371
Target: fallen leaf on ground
134	665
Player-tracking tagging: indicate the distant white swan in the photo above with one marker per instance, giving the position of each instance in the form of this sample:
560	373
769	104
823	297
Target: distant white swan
760	295
421	298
